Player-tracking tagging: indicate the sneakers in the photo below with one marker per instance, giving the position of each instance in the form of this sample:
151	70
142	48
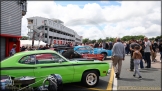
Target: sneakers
140	77
131	70
117	76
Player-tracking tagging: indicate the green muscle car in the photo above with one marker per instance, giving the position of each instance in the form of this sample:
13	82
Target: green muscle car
41	63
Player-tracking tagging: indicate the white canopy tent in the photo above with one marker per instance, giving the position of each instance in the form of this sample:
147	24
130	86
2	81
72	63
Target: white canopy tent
29	43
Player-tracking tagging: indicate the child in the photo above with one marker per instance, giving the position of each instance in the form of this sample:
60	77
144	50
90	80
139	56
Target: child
137	56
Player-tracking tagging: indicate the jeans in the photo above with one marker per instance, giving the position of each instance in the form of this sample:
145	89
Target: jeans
141	64
148	60
131	64
136	64
161	56
127	51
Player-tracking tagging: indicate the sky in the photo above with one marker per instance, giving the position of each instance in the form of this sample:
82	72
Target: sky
100	19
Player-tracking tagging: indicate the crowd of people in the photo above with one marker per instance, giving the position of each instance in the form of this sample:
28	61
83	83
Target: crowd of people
139	51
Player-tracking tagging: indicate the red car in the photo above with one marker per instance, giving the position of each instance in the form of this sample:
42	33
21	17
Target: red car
88	56
93	56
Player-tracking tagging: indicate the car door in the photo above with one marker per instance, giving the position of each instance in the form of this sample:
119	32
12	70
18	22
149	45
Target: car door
48	63
24	67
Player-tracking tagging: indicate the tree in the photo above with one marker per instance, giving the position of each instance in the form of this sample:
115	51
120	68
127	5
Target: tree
107	39
93	41
99	40
136	37
112	39
24	38
85	40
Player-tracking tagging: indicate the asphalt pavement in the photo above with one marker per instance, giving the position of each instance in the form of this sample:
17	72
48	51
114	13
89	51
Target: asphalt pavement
151	79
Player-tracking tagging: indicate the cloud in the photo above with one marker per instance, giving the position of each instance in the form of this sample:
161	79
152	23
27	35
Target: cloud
128	18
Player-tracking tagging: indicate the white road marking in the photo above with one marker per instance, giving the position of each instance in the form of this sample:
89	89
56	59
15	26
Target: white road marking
115	83
114	80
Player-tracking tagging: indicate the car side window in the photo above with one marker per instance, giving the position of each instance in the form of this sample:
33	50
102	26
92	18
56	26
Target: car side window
81	49
30	59
89	48
48	58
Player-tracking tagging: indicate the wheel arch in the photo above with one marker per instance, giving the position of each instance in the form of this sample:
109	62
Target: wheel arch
92	70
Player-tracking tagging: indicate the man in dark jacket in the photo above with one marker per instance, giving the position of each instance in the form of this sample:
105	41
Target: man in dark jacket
23	48
110	45
107	46
96	45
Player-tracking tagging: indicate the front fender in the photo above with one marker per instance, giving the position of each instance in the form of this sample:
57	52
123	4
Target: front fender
109	52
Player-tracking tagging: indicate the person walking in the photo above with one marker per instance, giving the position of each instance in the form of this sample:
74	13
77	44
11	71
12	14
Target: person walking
147	52
137	57
160	50
127	48
13	50
132	45
154	47
118	54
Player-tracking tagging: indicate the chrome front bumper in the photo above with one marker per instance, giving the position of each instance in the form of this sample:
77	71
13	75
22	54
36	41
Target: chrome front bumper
108	72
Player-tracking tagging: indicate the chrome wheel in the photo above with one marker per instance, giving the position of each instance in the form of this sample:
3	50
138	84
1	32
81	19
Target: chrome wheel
91	79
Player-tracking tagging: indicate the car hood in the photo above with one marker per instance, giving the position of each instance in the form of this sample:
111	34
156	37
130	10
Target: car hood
86	61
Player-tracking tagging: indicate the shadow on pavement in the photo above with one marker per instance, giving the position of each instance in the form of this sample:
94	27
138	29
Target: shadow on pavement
102	84
79	86
145	71
128	79
73	87
151	69
132	79
146	79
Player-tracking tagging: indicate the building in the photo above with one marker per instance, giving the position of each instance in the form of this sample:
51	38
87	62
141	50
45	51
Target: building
11	16
53	30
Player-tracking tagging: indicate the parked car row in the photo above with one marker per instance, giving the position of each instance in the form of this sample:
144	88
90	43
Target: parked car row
87	52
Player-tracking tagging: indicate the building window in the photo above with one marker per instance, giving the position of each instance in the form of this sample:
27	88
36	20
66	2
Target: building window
30	21
45	35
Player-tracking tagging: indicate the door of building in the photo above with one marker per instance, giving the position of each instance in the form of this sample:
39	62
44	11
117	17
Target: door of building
3	47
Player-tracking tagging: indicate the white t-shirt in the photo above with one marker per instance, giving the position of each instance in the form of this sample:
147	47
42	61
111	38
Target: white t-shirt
147	46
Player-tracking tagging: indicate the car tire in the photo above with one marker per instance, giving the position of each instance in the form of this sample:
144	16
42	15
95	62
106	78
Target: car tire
90	75
104	54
